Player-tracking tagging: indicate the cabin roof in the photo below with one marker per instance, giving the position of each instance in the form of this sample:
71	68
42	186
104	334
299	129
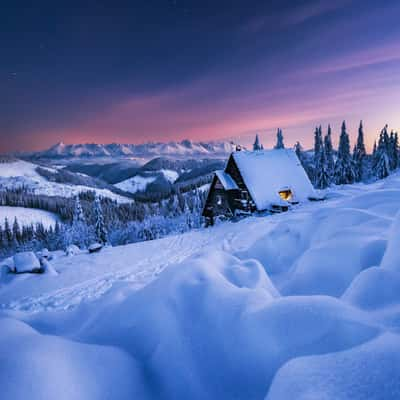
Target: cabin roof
226	180
267	172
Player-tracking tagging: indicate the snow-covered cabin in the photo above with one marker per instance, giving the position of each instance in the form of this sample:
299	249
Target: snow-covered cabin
258	181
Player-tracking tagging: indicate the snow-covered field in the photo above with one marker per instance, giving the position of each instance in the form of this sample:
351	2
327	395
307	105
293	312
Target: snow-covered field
304	305
22	173
27	216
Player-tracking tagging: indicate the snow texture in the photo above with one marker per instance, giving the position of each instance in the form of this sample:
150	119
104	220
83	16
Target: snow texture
267	172
301	304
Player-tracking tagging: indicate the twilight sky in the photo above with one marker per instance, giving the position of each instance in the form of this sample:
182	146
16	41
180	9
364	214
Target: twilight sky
135	71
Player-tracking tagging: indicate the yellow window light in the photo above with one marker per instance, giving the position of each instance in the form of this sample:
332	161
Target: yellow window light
286	194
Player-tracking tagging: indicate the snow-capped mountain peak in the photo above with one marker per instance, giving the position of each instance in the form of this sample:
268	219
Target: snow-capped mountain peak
184	148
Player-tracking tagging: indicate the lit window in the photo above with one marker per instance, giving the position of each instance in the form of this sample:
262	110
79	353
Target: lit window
286	194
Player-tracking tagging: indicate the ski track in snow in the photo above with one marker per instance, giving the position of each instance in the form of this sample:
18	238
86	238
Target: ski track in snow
139	274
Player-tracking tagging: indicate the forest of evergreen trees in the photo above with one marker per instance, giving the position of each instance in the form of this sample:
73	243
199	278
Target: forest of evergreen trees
327	167
88	219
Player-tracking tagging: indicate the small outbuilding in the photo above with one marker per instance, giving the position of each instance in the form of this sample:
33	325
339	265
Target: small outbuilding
258	181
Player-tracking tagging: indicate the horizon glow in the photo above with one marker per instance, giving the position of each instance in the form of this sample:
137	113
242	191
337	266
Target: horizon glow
199	72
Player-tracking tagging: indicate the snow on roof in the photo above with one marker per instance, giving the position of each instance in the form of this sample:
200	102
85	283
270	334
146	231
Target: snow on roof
267	172
227	182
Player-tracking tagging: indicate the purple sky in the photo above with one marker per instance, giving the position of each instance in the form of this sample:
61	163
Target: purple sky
170	70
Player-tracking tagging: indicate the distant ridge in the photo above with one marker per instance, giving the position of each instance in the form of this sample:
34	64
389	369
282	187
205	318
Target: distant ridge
183	148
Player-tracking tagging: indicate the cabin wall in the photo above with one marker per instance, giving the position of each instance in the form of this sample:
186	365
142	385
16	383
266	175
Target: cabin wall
239	199
218	202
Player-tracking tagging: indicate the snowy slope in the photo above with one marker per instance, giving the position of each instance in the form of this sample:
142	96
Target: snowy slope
136	184
304	302
140	182
27	216
23	174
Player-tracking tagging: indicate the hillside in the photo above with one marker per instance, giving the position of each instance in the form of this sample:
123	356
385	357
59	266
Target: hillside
306	300
27	216
43	180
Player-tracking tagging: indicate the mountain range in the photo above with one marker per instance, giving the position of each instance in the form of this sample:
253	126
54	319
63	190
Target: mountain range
182	149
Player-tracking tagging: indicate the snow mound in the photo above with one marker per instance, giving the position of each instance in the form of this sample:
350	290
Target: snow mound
391	258
278	249
215	327
26	262
374	288
370	371
383	201
328	269
47	367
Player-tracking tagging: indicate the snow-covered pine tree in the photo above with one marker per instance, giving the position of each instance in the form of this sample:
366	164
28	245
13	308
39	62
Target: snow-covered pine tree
322	178
381	167
16	231
318	148
330	162
396	151
279	140
257	145
100	227
8	232
393	150
359	154
79	230
78	215
344	168
3	240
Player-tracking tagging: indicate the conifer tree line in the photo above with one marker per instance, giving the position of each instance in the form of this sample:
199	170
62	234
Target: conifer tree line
89	218
327	166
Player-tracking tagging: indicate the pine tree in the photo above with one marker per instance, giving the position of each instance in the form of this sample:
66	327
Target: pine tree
360	141
330	162
8	232
381	167
100	228
16	231
257	145
79	234
3	241
78	215
359	154
279	140
323	178
318	149
344	168
393	151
